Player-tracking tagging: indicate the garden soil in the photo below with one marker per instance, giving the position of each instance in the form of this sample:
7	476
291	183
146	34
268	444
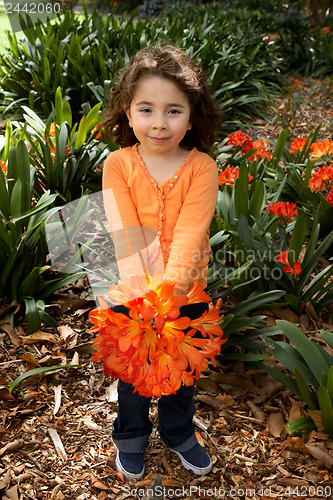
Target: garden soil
55	429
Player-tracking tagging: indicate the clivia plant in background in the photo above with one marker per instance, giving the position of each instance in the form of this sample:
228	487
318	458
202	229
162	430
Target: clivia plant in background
66	156
153	348
60	162
307	178
278	237
23	247
312	367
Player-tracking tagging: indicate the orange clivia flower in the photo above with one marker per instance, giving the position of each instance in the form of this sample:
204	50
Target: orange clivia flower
229	175
261	147
321	179
238	138
3	165
98	134
329	197
297	145
283	258
284	210
52	130
326	29
319	149
153	348
67	152
297	268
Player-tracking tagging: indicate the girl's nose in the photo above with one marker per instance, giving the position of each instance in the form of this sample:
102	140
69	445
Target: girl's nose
159	122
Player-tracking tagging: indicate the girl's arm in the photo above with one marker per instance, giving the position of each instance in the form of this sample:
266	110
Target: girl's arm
192	226
126	230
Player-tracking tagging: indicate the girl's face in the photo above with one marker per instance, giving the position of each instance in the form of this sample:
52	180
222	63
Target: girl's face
159	115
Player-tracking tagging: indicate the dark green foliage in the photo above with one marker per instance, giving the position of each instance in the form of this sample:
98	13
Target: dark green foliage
84	57
297	39
244	52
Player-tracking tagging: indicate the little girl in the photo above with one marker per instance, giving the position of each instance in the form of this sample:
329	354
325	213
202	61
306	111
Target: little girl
162	115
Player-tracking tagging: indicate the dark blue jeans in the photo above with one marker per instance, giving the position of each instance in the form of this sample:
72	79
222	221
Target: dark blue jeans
132	427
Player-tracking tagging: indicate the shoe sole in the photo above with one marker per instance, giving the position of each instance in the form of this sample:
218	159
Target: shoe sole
128	475
199	471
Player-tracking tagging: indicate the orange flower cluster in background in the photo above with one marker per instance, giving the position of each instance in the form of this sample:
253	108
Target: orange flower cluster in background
329	197
52	130
318	149
96	130
285	211
321	181
238	138
149	349
67	152
297	145
229	175
261	147
244	141
3	165
283	258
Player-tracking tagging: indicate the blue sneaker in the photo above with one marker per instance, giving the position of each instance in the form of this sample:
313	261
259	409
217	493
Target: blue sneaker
132	465
196	460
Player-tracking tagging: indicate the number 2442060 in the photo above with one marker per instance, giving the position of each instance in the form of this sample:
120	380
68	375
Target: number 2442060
33	8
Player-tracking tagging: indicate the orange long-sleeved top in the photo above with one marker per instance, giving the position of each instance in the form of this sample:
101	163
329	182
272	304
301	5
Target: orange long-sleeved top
163	227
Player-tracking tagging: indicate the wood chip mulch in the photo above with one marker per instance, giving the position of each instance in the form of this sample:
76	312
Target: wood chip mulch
55	429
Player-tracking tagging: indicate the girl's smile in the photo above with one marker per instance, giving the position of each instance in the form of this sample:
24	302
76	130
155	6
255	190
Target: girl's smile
159	115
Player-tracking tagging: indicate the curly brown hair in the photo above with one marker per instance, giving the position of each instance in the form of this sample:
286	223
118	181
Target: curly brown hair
171	62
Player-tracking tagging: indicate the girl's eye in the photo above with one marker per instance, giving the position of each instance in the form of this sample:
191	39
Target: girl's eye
174	111
145	110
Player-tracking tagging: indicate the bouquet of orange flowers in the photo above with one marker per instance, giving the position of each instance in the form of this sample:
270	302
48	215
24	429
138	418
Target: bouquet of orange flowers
149	348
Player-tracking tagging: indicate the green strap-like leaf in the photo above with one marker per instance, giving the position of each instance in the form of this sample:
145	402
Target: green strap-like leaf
318	283
312	256
244	231
257	301
67	114
307	396
330	384
326	408
280	145
300	426
4	198
37	371
8	137
32	315
241	191
287	381
58	106
258	199
312	356
28	285
328	337
218	238
289	357
297	239
81	133
223	205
